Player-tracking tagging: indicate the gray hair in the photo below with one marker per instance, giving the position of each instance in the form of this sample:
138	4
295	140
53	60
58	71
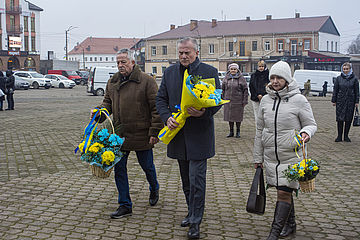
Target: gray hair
189	39
130	53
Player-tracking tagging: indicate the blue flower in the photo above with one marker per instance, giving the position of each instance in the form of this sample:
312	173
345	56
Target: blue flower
115	140
103	134
311	168
301	168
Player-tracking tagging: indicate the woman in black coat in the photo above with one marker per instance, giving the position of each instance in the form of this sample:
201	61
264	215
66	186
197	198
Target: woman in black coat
10	88
345	98
2	87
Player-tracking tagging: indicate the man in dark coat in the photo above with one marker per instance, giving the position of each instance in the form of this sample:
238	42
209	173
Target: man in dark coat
2	88
130	98
195	142
345	97
258	82
10	88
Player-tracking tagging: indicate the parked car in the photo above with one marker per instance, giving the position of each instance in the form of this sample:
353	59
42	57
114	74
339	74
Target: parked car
72	75
84	76
98	79
317	79
21	84
36	80
60	81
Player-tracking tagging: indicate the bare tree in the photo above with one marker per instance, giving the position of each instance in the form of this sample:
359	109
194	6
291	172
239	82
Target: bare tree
354	47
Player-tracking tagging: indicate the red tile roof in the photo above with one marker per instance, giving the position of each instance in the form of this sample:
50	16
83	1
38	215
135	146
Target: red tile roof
246	27
92	45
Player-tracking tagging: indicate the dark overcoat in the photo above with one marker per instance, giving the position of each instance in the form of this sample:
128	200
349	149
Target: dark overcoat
132	104
345	95
234	89
196	140
258	82
2	87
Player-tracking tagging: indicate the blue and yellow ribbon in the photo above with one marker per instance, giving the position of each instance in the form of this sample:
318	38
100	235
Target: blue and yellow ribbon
299	142
91	128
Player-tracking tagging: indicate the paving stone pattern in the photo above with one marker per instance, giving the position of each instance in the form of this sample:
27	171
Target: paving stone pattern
46	192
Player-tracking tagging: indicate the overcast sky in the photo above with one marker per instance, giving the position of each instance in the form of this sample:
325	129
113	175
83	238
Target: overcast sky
144	18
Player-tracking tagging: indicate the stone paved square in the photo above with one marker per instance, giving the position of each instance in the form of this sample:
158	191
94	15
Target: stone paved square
46	192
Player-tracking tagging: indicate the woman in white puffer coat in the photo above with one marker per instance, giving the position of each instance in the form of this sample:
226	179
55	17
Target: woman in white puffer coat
282	113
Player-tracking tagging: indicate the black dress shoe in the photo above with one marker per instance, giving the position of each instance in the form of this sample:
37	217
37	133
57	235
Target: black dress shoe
185	222
122	211
194	231
7	109
338	139
154	197
347	139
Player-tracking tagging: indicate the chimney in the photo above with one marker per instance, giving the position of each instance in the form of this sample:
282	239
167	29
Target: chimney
172	26
213	22
193	24
297	15
247	18
268	17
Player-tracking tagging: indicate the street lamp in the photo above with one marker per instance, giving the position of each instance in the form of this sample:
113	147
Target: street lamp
66	40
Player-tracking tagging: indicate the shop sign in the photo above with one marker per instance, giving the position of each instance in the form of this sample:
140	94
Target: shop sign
14	53
324	59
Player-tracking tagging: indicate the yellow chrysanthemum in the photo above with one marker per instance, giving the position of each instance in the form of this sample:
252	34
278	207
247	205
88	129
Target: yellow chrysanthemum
95	147
107	157
81	146
315	168
301	173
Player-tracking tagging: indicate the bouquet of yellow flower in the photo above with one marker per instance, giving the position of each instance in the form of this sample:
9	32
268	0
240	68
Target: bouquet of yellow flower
198	93
100	148
304	171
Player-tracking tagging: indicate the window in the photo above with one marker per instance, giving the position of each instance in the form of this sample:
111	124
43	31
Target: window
26	43
163	69
12	4
100	59
32	24
332	46
293	47
242	48
90	59
280	45
306	44
106	59
336	47
85	59
327	46
153	50
95	59
33	44
267	46
254	45
164	50
26	24
211	48
112	58
12	21
231	46
154	70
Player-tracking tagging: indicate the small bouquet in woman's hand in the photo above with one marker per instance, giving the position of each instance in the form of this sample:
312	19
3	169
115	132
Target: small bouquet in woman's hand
302	171
198	93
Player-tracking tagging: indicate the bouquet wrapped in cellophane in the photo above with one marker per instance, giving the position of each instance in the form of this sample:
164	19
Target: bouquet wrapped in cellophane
198	93
99	148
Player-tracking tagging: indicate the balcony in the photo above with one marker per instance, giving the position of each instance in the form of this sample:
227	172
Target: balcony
14	30
13	9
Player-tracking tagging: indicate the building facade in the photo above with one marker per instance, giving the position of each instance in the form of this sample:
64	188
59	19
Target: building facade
19	35
247	41
99	52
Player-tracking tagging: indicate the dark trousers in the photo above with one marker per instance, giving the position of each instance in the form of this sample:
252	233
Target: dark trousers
145	159
10	101
1	104
193	177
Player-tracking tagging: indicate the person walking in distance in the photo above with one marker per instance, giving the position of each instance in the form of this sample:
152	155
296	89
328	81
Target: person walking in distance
307	88
130	97
235	89
10	88
2	88
324	86
195	142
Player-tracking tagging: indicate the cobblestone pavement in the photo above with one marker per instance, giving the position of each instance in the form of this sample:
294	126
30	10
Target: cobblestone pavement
46	192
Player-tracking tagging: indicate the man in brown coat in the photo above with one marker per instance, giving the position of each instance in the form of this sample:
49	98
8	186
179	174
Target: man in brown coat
130	96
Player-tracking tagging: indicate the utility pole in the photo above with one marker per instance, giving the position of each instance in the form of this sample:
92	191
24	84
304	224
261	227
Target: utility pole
66	41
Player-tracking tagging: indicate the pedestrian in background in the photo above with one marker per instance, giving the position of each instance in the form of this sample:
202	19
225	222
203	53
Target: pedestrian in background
324	86
307	88
2	88
258	81
10	88
234	88
195	142
282	113
130	96
345	97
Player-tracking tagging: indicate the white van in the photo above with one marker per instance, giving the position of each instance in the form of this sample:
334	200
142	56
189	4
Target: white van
317	79
98	79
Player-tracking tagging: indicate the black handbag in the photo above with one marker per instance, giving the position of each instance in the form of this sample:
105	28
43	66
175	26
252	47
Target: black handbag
356	121
256	202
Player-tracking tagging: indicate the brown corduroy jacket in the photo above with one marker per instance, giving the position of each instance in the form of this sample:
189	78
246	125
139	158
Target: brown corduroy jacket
132	104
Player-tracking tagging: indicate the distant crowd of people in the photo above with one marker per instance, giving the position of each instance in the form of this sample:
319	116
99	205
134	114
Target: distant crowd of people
7	88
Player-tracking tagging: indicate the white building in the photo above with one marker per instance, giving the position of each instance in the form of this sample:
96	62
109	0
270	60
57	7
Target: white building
99	52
